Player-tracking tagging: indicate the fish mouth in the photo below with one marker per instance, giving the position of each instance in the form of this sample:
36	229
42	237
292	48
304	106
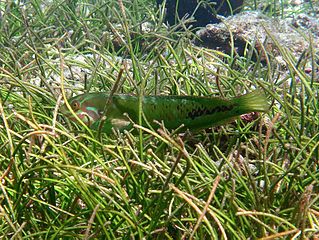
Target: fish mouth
64	110
83	116
67	113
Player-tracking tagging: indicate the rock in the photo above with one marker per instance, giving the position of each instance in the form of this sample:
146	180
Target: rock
204	14
306	22
257	29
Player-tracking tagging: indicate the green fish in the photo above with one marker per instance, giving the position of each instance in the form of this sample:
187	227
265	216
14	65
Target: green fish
193	112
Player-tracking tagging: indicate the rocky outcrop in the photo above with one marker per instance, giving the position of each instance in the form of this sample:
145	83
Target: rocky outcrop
203	13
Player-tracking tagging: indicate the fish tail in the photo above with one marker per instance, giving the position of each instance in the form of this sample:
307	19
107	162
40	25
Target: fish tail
255	101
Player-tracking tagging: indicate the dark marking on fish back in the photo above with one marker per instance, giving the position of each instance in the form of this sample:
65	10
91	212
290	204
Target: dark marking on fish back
202	111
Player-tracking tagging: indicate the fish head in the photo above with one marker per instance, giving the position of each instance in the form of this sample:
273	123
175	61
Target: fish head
81	107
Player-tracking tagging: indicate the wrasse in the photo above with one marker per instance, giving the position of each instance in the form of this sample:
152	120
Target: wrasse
193	112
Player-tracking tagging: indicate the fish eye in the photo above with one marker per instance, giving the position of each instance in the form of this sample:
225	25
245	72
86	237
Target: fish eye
75	105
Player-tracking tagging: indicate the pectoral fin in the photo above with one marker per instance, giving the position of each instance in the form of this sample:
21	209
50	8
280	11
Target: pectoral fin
120	123
116	123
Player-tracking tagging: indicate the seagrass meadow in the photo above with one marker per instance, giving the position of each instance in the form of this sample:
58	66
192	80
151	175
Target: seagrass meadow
253	178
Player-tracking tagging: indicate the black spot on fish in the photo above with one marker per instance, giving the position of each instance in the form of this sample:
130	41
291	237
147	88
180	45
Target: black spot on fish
205	111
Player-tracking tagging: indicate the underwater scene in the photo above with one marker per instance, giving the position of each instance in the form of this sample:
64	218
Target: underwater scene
159	119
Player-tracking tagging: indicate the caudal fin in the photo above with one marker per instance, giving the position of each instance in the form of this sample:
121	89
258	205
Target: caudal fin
255	101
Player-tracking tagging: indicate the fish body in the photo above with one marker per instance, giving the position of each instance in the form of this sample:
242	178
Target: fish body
193	112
